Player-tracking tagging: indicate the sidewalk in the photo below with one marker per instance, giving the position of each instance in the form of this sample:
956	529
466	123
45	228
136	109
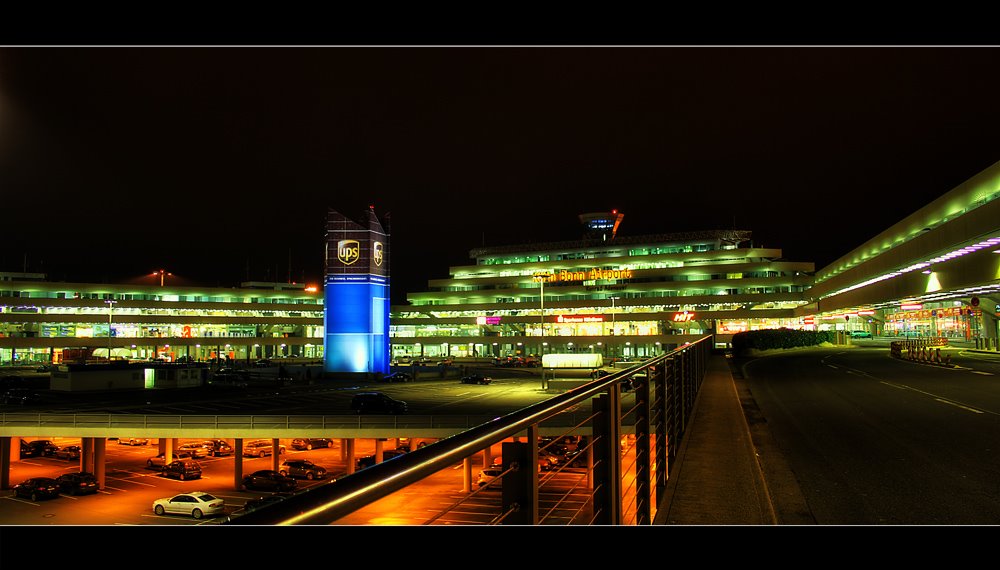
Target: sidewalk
716	478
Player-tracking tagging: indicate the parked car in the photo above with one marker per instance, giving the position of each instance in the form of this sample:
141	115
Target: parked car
263	363
20	397
861	334
369	460
309	443
37	488
302	468
476	379
195	448
160	461
68	452
218	447
197	504
133	441
268	480
488	475
183	469
406	444
398	377
376	403
260	448
38	447
77	483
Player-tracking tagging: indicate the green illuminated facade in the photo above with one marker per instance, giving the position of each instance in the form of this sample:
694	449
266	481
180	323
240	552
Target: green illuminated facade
43	321
620	296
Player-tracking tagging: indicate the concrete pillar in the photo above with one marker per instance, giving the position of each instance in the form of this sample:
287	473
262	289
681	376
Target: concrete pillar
275	454
161	445
467	475
343	449
100	453
487	457
87	454
5	459
350	455
171	446
14	453
379	442
237	463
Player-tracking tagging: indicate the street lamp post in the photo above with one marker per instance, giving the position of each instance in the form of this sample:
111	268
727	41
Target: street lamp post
111	308
613	322
162	273
541	278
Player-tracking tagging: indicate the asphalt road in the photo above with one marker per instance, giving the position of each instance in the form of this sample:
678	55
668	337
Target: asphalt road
874	440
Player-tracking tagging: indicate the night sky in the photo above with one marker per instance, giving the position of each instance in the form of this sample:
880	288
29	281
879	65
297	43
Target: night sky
218	164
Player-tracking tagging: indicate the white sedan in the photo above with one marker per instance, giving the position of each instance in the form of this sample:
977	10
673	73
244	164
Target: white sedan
197	504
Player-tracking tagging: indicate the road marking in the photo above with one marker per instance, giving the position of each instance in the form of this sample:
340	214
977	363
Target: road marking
973	410
134	482
832	366
20	500
941	399
982	373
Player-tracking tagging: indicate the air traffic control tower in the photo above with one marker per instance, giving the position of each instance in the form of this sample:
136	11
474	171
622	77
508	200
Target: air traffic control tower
356	310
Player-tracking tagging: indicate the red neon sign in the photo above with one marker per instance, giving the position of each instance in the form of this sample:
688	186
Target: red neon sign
683	317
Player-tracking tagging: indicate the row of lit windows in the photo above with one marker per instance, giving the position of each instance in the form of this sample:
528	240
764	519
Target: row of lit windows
168	298
642	294
159	312
690	248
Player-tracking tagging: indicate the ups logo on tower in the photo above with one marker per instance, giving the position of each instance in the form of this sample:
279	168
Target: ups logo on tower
377	253
348	251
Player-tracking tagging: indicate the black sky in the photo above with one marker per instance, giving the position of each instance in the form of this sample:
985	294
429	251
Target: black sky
219	163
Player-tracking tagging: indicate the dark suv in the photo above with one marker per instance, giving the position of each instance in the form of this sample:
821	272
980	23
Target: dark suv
302	468
268	480
183	470
218	447
377	403
37	448
308	443
77	483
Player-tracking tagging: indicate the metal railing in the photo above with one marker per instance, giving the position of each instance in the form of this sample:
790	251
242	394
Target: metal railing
635	424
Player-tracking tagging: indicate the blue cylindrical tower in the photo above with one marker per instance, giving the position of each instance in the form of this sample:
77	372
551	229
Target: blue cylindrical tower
356	311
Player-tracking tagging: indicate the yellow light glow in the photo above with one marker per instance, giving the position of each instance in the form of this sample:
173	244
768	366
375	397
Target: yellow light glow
932	283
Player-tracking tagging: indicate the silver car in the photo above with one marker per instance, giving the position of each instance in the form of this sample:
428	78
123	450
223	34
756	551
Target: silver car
197	504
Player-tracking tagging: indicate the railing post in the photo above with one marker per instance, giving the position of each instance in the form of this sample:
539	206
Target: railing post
520	487
672	406
606	430
660	418
643	460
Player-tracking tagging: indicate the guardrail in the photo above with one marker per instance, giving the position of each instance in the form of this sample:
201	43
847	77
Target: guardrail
623	481
163	425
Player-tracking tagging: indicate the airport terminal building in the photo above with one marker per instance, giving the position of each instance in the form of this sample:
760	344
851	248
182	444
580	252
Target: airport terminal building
621	296
934	273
